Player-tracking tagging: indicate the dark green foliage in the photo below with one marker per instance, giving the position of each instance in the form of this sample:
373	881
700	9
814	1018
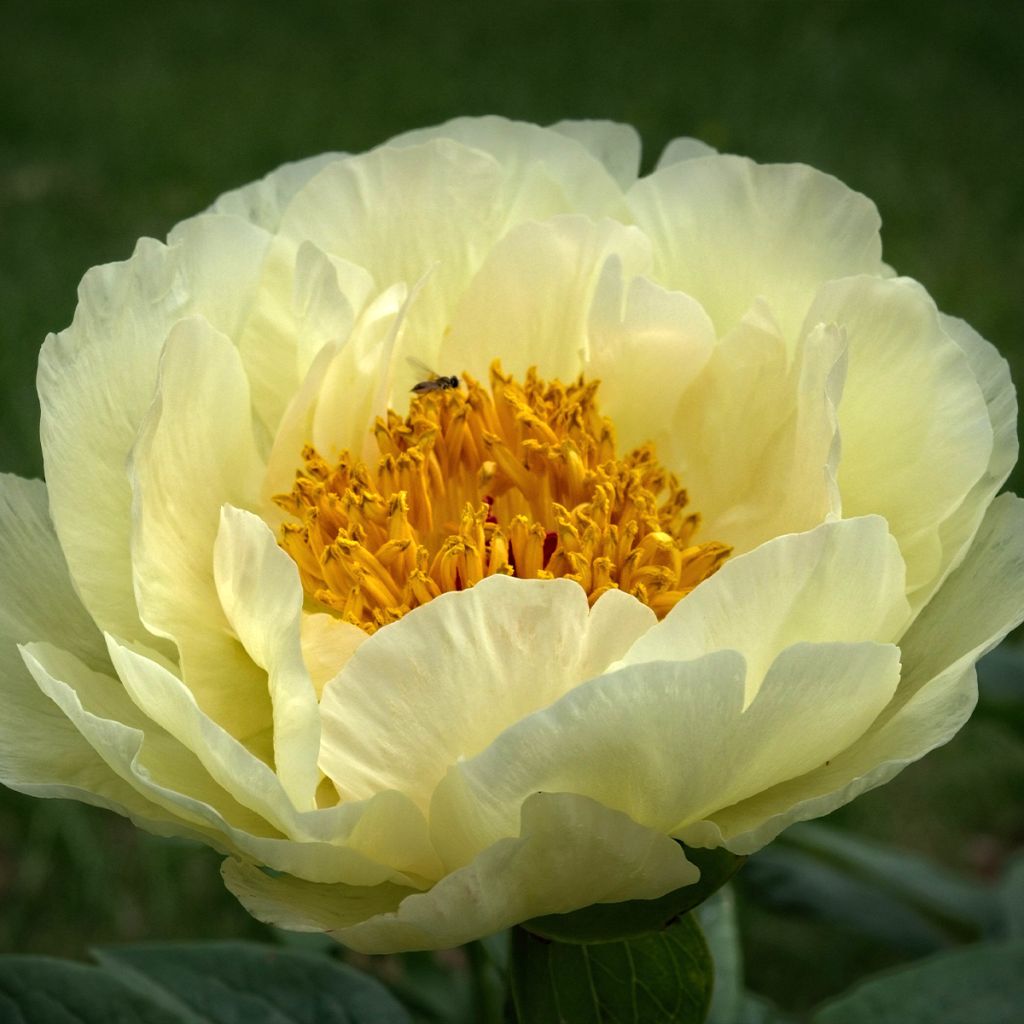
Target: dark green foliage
215	983
979	985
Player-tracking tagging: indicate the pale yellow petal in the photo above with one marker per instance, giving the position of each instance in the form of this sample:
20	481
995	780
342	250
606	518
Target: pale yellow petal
977	606
915	429
616	145
570	852
327	644
530	302
403	213
839	583
195	452
37	598
260	592
379	840
262	202
41	752
727	231
993	375
754	437
97	379
646	346
329	293
582	163
357	383
448	677
138	750
669	743
684	148
307	300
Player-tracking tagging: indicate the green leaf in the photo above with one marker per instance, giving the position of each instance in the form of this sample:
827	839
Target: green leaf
664	977
612	922
717	917
981	984
1012	898
231	982
433	991
730	1004
758	1010
42	990
463	986
892	896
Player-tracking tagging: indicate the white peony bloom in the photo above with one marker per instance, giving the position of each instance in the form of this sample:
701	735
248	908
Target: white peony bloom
449	660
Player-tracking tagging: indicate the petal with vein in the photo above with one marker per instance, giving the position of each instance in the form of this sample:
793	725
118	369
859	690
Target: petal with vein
726	231
914	423
41	751
571	158
259	590
195	452
443	681
646	346
97	379
668	743
569	852
377	841
976	607
531	299
755	436
841	583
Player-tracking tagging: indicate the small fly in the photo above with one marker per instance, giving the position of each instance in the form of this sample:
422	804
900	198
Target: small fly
433	381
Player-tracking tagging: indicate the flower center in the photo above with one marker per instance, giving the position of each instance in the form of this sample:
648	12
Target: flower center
517	479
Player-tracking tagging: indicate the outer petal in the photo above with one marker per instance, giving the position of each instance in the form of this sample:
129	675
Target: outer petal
195	452
41	752
262	597
914	424
96	381
840	583
263	202
570	852
684	148
616	145
530	301
364	843
381	837
669	742
976	607
993	375
572	155
727	230
442	682
105	716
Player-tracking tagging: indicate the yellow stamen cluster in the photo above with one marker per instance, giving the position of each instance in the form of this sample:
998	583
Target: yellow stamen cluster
521	480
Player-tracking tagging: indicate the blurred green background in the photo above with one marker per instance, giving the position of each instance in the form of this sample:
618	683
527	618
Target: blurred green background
118	119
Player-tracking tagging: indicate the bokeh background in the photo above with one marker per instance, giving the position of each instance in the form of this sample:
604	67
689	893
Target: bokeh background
118	119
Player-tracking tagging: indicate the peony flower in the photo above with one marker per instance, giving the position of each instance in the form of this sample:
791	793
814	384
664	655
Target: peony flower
694	536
